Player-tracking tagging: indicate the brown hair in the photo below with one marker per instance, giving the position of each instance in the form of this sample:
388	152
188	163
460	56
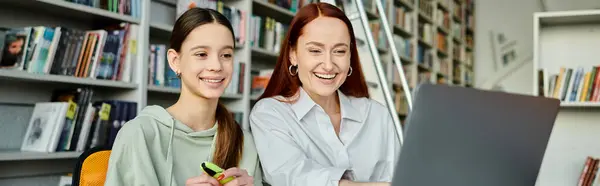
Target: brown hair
282	83
230	138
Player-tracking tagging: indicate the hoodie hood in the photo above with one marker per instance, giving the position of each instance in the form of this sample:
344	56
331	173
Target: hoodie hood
163	117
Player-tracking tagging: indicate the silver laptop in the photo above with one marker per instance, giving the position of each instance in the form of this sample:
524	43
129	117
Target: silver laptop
458	136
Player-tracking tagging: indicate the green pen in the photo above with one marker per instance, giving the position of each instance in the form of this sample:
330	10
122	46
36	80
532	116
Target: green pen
215	172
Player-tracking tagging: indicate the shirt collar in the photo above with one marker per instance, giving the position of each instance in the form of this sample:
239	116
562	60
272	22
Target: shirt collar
304	104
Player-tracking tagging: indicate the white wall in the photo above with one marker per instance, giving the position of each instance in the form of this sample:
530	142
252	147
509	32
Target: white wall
514	18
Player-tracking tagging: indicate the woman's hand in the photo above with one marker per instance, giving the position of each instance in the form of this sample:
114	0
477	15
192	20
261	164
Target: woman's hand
202	180
241	177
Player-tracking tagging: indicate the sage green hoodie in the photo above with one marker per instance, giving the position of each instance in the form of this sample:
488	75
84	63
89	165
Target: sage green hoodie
149	151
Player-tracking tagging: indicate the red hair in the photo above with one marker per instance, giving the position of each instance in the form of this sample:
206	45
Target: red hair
282	83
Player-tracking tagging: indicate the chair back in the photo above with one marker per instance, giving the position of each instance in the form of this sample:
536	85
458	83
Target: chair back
91	167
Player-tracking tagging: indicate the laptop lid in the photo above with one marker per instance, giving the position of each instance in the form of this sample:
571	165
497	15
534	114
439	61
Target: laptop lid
459	136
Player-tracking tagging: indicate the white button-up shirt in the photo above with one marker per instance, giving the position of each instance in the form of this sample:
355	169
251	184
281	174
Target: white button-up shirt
298	146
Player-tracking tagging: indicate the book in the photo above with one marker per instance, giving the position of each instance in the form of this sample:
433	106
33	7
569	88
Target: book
106	53
46	122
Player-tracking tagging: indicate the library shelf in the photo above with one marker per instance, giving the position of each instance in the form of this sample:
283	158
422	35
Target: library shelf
17	75
425	18
167	2
457	40
271	10
409	6
402	32
566	40
565	104
371	15
423	67
425	43
161	27
567	17
405	60
469	48
264	54
73	10
443	30
23	156
457	19
442	6
442	53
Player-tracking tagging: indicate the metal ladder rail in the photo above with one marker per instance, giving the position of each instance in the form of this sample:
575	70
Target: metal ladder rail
377	62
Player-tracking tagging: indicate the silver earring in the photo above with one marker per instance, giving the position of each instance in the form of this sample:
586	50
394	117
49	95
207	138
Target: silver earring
290	69
350	71
178	74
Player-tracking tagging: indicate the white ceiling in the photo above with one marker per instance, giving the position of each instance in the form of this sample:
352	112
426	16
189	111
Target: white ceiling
561	5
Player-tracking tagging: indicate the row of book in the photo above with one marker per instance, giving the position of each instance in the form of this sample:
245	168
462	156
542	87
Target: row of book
407	74
98	54
444	67
468	78
267	33
469	40
402	18
235	16
424	77
71	121
590	170
457	32
400	101
425	32
260	80
456	76
426	7
424	56
457	9
469	58
442	42
160	74
442	18
456	52
123	7
574	84
378	35
404	46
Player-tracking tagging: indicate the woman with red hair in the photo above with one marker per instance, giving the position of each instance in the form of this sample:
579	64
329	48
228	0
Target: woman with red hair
315	124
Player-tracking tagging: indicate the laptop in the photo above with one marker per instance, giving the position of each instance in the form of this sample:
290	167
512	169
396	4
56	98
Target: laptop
457	136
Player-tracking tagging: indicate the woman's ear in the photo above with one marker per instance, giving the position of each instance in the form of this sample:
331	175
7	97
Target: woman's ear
173	58
293	57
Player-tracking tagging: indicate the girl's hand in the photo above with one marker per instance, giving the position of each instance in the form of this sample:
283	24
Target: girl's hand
202	180
241	177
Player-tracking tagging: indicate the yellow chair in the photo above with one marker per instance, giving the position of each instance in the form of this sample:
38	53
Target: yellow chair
91	167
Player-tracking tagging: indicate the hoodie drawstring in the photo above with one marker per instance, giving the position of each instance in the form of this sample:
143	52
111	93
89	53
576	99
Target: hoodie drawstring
169	156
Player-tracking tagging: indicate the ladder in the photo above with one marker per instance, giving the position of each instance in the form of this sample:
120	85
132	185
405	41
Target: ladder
385	85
